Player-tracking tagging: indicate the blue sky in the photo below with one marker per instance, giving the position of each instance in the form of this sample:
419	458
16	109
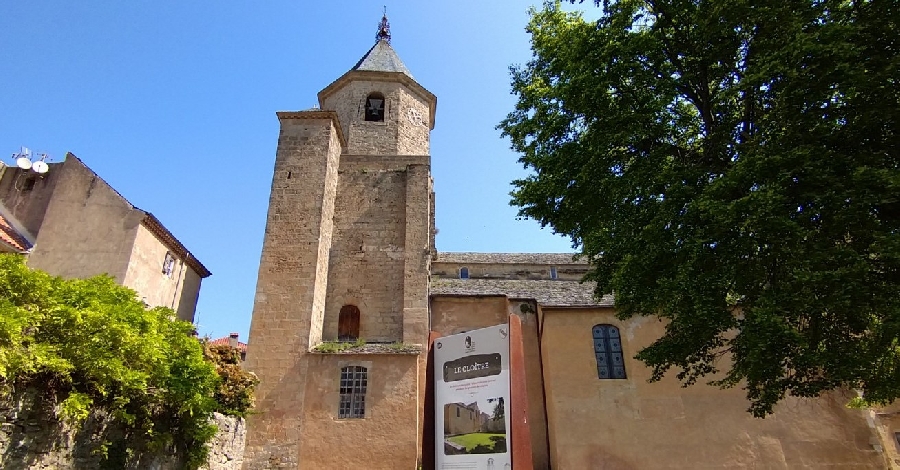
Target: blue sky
173	103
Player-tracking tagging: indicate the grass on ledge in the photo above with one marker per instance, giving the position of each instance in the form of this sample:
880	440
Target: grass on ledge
338	346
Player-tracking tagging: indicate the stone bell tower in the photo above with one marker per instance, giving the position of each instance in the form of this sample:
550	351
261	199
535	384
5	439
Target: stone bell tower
341	309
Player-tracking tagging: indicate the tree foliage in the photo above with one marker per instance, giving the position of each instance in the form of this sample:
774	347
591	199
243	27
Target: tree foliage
730	166
91	344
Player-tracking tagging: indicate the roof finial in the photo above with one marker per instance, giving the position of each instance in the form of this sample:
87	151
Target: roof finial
384	28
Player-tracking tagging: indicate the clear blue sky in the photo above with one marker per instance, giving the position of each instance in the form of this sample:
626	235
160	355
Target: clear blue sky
173	103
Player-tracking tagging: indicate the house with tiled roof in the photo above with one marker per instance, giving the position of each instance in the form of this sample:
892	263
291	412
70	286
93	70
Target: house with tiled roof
69	222
232	341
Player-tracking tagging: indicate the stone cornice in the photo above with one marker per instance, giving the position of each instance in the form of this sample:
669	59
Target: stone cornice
316	114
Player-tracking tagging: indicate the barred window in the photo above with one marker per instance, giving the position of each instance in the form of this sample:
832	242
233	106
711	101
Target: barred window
353	392
608	349
464	273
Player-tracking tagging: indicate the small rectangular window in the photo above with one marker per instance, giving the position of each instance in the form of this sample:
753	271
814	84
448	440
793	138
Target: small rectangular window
553	273
464	273
29	184
354	381
168	267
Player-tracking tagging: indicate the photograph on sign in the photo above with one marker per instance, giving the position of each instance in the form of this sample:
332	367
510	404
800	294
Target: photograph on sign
472	399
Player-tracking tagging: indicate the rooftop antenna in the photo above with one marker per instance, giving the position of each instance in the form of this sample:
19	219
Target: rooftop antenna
23	158
384	28
25	161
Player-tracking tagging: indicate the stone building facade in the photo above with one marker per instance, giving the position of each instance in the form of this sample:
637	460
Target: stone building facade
349	255
71	223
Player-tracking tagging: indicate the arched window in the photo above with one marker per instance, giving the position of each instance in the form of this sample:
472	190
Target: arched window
608	349
354	380
348	323
464	273
375	107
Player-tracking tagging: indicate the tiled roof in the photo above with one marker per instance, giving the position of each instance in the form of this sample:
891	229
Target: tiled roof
554	293
226	341
509	258
382	58
11	237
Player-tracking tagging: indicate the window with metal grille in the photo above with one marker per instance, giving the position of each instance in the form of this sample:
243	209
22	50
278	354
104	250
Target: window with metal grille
463	273
354	381
608	350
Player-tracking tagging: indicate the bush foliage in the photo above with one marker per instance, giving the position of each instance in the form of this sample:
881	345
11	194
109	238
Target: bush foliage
90	344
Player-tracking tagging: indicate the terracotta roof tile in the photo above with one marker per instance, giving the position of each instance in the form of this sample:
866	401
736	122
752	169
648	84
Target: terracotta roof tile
11	237
227	341
551	293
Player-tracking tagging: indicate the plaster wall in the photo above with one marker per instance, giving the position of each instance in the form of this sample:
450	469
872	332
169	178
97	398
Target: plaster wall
633	424
88	229
386	438
28	206
144	274
451	315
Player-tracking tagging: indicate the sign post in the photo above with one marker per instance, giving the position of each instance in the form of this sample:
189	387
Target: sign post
472	400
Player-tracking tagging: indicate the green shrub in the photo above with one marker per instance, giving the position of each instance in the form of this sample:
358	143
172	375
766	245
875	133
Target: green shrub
92	344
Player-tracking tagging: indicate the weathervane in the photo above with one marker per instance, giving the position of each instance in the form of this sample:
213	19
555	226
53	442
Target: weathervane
384	28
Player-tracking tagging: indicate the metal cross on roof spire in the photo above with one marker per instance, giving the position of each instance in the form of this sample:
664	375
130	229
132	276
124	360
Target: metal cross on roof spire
384	29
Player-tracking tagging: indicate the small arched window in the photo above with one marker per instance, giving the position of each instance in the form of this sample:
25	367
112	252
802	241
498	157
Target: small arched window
375	107
464	273
348	323
354	381
608	350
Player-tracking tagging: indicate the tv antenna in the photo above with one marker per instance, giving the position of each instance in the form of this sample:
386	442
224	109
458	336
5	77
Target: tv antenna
25	160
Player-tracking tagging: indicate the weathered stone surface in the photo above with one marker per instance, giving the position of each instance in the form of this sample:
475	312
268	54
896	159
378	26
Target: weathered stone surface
31	437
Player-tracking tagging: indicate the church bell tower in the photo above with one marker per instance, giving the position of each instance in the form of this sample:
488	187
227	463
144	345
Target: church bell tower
340	317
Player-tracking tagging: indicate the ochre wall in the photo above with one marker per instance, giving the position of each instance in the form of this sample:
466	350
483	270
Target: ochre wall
633	424
144	274
385	439
450	315
88	229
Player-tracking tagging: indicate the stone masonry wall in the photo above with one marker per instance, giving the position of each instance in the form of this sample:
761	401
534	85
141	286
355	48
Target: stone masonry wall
32	438
397	135
290	292
367	254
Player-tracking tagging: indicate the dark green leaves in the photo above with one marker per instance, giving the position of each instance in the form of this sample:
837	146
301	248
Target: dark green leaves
732	167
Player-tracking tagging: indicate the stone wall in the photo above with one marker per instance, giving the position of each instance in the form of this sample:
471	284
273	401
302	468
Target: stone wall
32	438
290	293
367	254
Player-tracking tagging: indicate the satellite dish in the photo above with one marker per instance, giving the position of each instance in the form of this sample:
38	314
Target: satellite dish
24	163
40	167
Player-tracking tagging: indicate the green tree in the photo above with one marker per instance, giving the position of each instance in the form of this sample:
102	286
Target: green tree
92	344
730	166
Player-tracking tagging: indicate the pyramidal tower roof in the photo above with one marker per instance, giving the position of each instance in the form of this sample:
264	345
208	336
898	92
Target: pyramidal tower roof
382	58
